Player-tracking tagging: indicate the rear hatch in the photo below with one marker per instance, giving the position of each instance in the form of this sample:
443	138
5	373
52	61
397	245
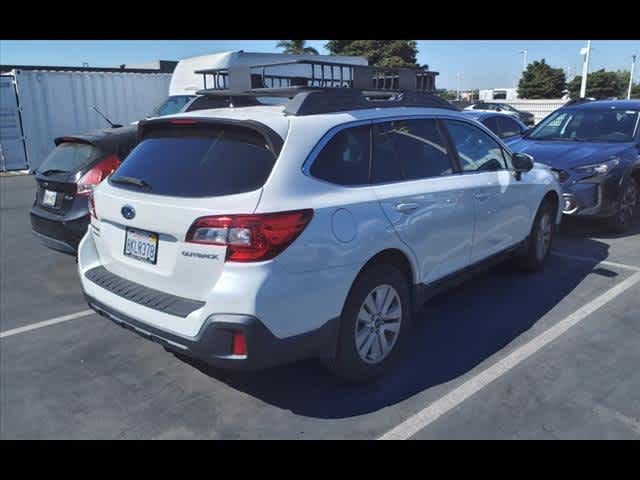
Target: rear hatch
181	170
59	173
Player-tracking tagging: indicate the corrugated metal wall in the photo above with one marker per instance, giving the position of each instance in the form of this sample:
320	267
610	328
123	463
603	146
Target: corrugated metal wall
12	154
60	103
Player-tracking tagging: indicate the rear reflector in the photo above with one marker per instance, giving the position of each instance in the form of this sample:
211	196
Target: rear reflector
250	238
98	173
239	343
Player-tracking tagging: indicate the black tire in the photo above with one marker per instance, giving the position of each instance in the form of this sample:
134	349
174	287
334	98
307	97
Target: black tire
627	207
532	260
347	363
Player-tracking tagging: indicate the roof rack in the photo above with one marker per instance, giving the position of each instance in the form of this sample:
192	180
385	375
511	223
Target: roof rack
314	87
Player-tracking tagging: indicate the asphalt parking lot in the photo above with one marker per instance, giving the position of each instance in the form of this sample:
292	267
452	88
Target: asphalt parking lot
506	355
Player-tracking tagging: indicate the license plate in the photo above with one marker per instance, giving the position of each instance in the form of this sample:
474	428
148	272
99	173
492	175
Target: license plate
141	245
49	198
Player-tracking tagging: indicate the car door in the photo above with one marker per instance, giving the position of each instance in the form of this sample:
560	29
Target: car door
501	206
415	179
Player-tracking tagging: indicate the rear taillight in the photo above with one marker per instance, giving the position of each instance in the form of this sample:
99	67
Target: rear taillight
98	173
250	238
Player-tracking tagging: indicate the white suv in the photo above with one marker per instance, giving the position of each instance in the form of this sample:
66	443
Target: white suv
254	236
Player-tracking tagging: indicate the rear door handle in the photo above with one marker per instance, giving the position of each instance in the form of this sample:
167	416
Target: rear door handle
406	207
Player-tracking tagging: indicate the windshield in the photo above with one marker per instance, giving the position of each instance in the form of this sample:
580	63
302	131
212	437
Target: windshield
171	105
69	157
609	125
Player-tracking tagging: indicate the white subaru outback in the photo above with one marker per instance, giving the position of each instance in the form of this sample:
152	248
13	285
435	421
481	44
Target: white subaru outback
249	237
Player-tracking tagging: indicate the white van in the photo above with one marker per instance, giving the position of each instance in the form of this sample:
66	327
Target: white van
185	82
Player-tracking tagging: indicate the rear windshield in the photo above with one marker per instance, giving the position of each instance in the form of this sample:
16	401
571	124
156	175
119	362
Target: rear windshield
69	158
197	162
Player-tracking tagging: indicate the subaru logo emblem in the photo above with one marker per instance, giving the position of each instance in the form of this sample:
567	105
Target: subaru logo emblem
128	212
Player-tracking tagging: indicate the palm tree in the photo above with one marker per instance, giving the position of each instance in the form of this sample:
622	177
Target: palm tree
296	47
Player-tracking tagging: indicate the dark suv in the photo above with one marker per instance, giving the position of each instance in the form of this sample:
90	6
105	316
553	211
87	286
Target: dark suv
60	213
594	150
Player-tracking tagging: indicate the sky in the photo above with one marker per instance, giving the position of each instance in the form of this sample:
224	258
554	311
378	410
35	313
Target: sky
478	63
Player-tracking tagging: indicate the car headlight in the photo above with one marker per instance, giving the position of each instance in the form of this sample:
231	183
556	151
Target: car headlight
598	168
560	175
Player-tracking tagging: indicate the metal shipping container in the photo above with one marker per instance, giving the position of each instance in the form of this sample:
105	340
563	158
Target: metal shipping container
40	105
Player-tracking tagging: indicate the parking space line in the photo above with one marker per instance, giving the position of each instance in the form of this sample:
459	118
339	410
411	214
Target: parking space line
595	260
45	323
435	410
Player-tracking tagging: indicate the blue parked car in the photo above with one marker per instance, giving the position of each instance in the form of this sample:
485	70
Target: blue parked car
594	150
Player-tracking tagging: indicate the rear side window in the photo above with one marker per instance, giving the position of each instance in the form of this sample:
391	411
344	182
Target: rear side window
408	150
204	161
69	157
492	124
477	150
344	160
509	128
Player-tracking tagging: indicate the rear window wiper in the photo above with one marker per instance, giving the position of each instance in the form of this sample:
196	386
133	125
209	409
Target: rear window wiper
51	171
131	181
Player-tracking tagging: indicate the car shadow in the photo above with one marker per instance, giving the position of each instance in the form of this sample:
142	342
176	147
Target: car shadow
580	237
453	333
579	227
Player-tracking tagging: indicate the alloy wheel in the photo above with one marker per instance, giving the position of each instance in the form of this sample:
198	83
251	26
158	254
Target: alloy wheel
378	324
543	236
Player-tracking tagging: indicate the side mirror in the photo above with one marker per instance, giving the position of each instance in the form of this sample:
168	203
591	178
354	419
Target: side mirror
522	162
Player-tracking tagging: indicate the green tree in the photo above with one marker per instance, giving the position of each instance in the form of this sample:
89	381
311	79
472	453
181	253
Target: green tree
296	47
447	94
600	84
540	80
379	53
624	82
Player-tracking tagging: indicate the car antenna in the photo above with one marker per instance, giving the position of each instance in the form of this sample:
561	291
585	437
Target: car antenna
113	125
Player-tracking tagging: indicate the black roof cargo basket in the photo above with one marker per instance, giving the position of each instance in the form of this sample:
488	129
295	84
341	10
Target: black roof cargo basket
314	87
316	73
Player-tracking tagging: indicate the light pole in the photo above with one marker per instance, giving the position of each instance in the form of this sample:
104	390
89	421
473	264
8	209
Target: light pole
458	75
524	59
585	69
633	67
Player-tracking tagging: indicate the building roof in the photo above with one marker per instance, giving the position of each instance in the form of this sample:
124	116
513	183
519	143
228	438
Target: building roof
58	68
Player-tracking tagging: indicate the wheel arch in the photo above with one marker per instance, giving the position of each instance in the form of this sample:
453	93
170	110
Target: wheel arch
554	198
392	256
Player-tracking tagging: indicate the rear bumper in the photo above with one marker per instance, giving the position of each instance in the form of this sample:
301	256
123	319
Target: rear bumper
213	343
58	232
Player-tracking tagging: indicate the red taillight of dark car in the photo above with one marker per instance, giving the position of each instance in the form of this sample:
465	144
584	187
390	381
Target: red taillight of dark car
250	238
98	173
